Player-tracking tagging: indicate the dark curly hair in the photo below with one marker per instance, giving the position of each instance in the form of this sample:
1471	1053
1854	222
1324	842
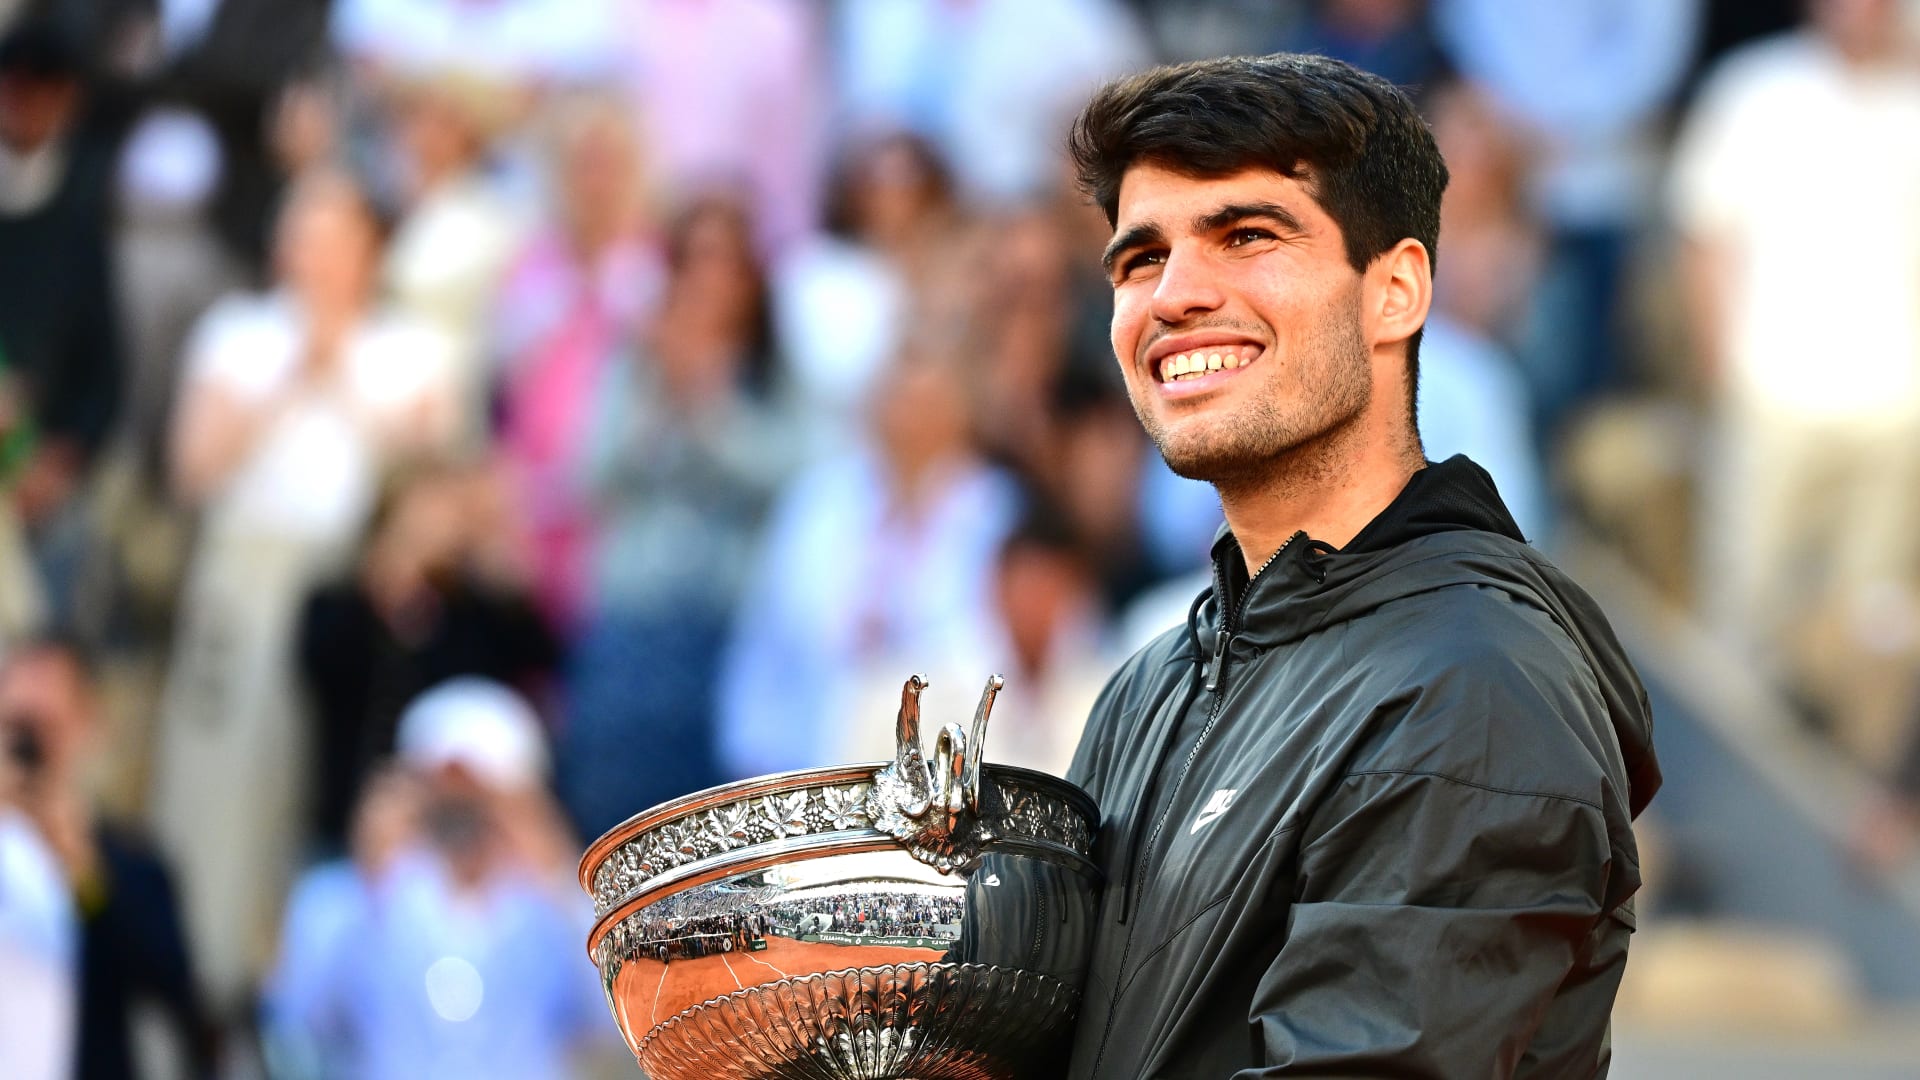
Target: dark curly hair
1355	140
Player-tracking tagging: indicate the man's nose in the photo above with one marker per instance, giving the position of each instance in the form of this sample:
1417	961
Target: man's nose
1188	286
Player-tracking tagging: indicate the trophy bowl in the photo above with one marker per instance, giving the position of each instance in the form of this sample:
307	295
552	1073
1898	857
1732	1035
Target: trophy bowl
919	919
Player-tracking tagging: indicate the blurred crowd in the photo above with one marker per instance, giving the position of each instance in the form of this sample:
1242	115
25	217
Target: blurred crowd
434	430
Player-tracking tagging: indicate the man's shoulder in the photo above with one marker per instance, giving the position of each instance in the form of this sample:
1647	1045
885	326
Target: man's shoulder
1497	661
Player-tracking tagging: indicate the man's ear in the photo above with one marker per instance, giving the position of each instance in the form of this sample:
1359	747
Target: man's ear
1403	292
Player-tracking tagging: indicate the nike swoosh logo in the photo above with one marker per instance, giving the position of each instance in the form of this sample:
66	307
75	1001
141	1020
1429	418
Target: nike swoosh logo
1206	818
1217	804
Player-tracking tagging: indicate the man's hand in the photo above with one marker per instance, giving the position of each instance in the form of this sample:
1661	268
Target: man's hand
387	819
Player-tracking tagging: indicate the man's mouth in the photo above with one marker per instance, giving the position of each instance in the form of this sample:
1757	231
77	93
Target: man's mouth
1198	363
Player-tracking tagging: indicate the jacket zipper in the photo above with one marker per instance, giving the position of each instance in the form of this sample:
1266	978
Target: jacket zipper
1215	673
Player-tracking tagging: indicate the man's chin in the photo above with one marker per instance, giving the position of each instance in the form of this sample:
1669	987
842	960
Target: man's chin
1208	464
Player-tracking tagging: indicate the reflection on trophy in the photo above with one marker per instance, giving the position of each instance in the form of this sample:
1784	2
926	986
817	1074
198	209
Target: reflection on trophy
924	918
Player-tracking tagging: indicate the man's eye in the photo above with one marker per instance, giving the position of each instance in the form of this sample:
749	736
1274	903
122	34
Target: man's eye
1141	260
1247	236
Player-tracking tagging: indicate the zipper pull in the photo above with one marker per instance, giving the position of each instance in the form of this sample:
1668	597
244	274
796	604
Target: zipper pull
1218	663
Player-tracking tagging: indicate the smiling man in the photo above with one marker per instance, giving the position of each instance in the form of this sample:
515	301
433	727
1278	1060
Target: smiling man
1369	812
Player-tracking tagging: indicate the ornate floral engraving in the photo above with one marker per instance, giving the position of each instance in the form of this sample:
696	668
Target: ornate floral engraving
944	810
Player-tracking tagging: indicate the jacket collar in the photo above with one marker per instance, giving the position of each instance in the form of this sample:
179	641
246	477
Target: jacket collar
1451	496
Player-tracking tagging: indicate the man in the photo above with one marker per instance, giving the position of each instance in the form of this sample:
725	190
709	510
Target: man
448	945
1368	813
130	946
1808	522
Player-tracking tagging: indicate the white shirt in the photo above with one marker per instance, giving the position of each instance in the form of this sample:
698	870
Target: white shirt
314	471
39	947
1805	170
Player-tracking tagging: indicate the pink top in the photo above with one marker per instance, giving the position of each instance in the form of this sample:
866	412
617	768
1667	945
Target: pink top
561	323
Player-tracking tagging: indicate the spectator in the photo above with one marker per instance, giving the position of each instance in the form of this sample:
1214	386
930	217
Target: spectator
59	332
131	948
292	404
684	454
581	289
38	947
842	298
457	232
428	602
1095	471
1049	637
1586	81
528	43
876	563
1473	399
992	82
1390	38
449	945
238	63
730	97
1809	340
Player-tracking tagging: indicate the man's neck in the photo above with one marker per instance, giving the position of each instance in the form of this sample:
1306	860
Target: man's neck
1325	491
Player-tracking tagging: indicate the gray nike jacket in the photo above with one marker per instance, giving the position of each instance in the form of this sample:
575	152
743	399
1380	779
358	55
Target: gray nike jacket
1369	815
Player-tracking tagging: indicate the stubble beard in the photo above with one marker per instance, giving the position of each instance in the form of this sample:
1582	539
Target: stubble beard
1271	438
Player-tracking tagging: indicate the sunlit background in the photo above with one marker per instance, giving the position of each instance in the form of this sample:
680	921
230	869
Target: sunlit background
434	430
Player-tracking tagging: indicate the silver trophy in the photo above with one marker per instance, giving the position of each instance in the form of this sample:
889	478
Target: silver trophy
919	919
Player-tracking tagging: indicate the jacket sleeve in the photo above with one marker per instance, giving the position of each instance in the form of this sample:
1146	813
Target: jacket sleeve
1432	922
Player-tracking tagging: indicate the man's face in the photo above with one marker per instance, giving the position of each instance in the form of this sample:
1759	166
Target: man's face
1236	319
45	714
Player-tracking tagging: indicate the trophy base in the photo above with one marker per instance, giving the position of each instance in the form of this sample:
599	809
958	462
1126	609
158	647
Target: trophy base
908	1021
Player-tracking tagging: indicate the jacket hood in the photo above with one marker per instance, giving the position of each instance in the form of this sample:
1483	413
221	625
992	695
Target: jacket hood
1447	528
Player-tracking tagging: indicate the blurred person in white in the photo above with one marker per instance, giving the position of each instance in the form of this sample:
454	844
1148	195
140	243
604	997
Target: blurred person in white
582	287
684	452
992	82
732	94
39	947
1048	636
876	563
131	949
1808	335
292	403
1586	82
843	296
449	945
457	231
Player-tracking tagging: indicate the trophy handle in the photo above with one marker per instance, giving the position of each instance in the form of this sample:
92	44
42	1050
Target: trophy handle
909	764
905	794
977	742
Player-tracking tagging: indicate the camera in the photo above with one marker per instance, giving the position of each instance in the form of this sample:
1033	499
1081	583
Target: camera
458	824
25	746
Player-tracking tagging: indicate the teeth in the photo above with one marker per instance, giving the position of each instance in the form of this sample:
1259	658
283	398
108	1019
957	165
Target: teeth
1192	365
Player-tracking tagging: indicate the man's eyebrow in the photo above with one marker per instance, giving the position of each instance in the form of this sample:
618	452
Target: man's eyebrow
1231	213
1139	235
